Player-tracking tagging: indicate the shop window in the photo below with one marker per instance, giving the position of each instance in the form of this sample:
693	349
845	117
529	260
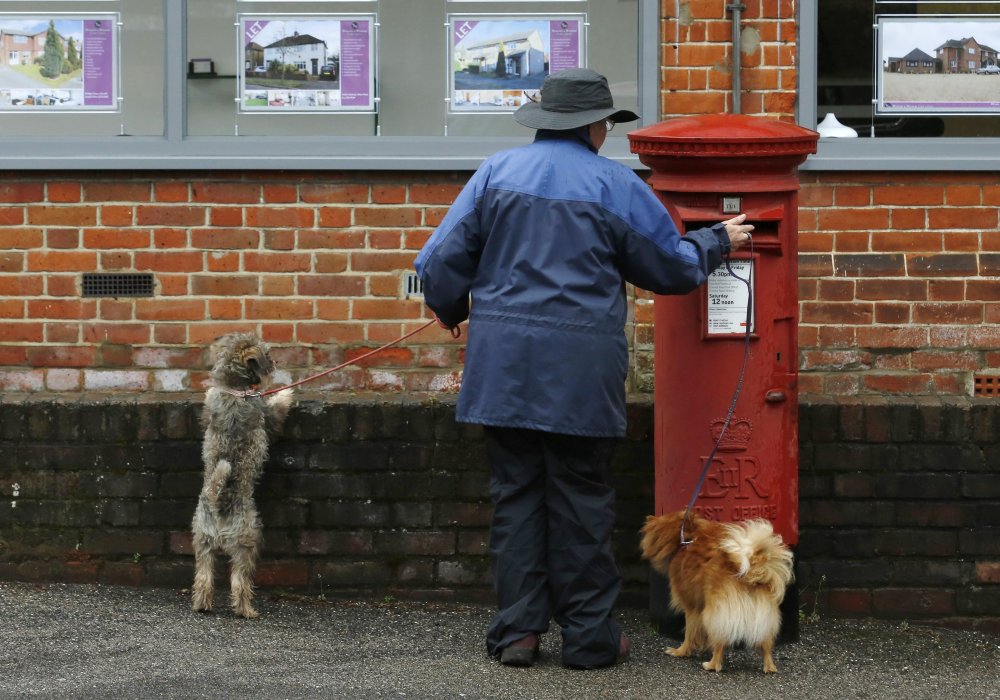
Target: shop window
397	84
917	81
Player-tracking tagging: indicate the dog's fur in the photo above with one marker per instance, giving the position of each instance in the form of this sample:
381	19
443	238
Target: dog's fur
233	451
728	582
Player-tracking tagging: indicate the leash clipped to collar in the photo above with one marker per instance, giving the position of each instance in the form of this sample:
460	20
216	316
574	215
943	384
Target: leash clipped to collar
252	393
732	404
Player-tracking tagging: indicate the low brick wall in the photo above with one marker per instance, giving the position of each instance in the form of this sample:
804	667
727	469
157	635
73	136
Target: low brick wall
363	494
900	500
900	508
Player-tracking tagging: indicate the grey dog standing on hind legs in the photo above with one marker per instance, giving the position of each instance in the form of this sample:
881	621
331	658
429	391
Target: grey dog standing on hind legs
237	427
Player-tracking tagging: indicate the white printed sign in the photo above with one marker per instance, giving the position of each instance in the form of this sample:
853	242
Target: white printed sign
728	298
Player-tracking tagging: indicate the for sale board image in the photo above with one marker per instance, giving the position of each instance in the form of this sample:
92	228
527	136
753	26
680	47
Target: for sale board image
58	62
498	63
306	63
938	65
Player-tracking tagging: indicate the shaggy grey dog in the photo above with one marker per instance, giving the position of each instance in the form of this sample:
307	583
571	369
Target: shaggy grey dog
237	425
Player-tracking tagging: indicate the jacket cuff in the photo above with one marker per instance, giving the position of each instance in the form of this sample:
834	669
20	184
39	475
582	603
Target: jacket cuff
720	234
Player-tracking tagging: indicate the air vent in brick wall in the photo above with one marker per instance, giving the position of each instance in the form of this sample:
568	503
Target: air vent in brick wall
986	385
412	286
117	284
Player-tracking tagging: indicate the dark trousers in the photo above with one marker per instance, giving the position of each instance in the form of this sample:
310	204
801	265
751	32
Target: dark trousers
551	541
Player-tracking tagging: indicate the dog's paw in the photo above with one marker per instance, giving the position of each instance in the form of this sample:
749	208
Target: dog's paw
283	399
202	606
280	403
201	600
677	651
247	612
712	666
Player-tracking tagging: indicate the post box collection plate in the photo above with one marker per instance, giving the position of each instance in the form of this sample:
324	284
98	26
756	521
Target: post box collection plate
727	299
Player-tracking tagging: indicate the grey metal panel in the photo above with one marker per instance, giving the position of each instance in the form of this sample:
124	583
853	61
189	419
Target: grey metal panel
412	79
649	62
388	153
807	51
933	154
175	96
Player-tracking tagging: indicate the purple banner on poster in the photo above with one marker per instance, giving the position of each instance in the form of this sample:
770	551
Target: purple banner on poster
564	45
462	29
355	68
98	63
252	29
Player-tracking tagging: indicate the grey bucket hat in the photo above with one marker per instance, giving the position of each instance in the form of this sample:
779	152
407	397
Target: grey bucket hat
572	98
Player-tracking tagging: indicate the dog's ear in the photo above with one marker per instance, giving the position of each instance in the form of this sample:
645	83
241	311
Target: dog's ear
215	348
256	359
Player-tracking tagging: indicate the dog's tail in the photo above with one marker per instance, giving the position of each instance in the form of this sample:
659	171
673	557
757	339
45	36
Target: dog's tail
661	538
759	555
216	482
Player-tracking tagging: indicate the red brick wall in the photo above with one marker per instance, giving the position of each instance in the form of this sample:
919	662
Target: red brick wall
696	72
312	261
899	290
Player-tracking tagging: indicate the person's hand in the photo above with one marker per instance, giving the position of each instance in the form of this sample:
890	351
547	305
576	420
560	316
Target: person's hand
739	233
456	331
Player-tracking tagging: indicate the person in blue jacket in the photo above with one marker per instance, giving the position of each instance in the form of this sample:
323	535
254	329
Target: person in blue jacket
543	240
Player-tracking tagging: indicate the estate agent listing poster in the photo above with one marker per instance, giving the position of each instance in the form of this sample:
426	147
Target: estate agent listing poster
307	63
938	64
498	61
59	62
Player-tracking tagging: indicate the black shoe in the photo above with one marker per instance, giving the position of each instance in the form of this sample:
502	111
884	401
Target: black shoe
523	652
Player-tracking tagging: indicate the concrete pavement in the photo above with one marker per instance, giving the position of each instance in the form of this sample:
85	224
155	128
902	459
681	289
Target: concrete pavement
89	641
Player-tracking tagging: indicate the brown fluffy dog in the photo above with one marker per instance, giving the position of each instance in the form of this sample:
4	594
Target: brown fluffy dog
237	426
728	582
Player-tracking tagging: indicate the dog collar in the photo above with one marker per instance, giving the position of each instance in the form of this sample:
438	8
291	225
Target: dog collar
250	393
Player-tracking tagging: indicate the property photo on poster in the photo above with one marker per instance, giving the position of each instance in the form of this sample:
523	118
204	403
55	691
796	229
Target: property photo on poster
58	62
307	63
938	64
498	62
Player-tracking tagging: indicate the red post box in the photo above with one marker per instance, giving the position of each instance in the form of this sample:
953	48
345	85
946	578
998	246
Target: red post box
707	169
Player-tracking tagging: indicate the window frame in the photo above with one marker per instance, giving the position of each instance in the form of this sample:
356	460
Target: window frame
175	150
937	154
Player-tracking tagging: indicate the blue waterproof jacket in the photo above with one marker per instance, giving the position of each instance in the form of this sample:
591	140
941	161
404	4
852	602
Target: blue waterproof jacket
544	238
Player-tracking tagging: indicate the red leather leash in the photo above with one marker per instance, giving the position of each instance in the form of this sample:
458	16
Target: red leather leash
455	331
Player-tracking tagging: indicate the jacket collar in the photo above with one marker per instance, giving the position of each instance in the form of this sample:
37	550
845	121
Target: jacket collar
580	134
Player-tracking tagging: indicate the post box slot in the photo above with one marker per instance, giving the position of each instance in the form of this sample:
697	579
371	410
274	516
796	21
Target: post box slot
695	225
766	232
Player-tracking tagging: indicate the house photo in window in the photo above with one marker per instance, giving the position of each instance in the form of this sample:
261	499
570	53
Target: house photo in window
499	62
81	69
306	63
938	83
